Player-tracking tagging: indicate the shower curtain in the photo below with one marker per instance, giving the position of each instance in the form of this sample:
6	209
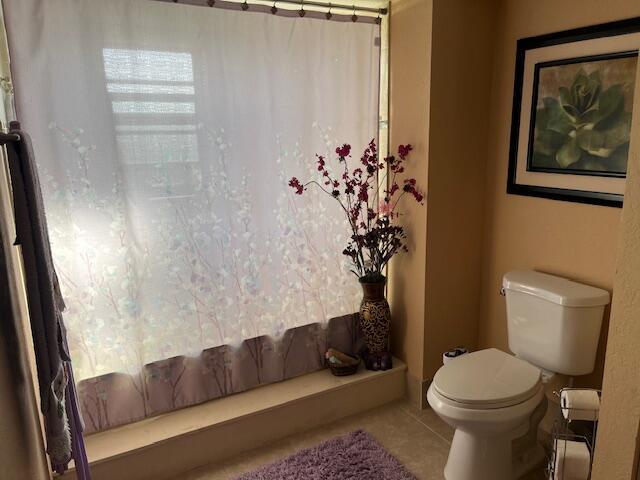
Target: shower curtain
165	135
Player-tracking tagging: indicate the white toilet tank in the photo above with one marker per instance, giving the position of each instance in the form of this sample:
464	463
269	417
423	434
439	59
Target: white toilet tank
554	323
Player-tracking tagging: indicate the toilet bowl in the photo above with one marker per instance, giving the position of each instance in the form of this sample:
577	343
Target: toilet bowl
488	397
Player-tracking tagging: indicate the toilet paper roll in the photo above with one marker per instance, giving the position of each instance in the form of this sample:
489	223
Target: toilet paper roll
455	353
572	462
580	404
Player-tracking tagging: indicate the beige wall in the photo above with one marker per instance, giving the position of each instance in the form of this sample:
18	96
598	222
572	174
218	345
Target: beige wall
451	68
620	415
410	51
568	239
21	454
437	91
460	82
618	432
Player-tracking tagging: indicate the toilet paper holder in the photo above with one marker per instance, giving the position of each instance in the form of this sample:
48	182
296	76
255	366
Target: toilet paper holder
573	448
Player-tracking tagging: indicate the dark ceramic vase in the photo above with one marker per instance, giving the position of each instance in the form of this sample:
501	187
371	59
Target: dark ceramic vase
375	322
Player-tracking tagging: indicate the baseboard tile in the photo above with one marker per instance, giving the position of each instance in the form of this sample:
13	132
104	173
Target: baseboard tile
417	391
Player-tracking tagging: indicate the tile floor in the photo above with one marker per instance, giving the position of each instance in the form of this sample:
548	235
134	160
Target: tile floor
419	439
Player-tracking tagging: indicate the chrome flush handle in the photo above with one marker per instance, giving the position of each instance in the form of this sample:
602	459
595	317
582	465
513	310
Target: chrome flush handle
502	292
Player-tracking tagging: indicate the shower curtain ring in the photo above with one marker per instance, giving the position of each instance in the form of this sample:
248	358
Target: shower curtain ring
302	11
328	15
274	9
245	5
379	18
211	3
354	17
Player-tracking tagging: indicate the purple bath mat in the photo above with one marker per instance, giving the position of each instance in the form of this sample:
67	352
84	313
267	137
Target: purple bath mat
355	456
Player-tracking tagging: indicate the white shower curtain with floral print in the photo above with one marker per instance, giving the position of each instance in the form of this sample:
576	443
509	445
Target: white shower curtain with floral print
165	135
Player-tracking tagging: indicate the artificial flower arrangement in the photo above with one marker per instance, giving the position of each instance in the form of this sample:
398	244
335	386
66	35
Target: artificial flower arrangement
369	196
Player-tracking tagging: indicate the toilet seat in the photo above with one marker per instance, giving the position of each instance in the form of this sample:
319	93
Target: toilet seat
487	379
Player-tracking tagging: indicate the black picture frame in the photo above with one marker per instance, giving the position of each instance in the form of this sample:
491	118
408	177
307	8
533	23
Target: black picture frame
611	29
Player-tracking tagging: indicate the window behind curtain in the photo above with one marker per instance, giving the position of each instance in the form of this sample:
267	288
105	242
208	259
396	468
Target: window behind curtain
165	135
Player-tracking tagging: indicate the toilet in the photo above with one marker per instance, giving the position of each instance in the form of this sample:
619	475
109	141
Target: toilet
495	400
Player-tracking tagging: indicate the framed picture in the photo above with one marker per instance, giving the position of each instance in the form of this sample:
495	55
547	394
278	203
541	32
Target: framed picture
572	110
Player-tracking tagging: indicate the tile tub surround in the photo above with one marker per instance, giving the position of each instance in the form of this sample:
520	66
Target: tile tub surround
165	446
419	439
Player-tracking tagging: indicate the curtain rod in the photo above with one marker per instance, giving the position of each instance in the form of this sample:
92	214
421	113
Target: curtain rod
9	137
245	5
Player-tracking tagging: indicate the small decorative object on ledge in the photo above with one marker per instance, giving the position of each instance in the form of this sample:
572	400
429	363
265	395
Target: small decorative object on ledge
369	195
342	364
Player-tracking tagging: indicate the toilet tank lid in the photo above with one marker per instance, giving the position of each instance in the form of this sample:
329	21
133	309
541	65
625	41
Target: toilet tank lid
555	289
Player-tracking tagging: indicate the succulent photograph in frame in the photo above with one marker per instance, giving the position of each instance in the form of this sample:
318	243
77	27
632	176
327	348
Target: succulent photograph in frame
572	113
583	115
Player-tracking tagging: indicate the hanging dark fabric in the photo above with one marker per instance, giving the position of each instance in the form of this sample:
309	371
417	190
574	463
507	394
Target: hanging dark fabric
63	427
